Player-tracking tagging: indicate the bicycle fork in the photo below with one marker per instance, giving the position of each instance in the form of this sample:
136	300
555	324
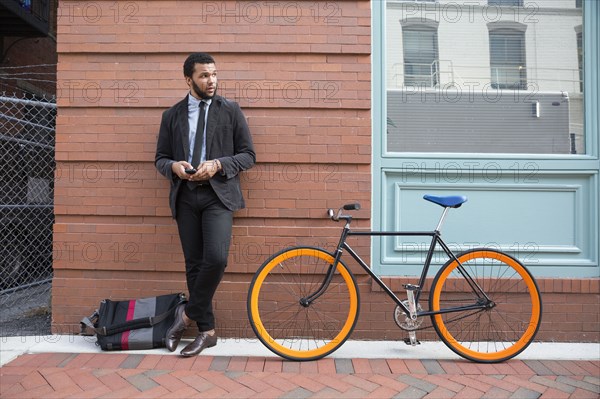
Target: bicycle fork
307	300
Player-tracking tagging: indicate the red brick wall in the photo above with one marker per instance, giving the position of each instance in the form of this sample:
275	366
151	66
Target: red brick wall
301	71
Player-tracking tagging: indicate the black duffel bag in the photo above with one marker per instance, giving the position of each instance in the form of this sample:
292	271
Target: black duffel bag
133	324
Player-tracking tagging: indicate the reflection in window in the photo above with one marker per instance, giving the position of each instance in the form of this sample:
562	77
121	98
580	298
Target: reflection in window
420	56
507	59
471	85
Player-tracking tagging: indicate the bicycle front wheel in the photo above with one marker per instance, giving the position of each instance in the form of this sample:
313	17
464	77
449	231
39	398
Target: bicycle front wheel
284	322
509	321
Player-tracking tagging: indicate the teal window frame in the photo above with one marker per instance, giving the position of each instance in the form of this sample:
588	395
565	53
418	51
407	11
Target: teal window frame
588	164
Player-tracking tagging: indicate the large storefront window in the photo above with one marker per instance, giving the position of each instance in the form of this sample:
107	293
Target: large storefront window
498	101
484	77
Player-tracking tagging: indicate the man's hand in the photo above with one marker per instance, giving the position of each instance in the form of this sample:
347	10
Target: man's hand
206	170
179	168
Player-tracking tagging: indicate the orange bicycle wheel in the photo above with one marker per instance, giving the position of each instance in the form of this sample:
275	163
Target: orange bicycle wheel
293	329
499	331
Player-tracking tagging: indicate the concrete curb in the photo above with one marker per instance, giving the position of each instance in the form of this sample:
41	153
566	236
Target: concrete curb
12	347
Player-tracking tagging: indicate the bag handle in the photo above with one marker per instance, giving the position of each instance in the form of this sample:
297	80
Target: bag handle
87	322
143	322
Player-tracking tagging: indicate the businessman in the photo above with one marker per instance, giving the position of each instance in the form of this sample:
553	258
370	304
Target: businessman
203	145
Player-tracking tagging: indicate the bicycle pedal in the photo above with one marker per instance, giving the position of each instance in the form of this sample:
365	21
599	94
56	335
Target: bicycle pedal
407	342
410	287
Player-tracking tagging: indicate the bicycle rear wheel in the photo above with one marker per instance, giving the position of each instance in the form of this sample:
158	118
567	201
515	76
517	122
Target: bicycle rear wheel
499	331
299	331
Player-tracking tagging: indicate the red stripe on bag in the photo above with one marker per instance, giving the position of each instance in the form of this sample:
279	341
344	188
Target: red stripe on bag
125	335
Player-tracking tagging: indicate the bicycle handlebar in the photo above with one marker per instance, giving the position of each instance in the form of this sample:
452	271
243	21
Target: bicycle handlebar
348	207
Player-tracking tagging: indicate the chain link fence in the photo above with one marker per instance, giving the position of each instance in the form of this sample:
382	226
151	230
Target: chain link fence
27	138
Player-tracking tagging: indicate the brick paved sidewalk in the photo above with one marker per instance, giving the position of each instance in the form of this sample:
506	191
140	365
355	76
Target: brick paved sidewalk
123	375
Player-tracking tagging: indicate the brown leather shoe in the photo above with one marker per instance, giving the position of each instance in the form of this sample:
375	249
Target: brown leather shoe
175	332
201	342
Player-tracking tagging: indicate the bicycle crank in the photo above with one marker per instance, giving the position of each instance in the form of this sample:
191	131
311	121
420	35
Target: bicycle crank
411	321
404	321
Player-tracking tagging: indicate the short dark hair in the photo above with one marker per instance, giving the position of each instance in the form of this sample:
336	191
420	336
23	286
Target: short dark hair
193	59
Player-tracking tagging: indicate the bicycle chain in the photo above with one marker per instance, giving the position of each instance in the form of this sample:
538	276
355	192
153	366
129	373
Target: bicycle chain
447	321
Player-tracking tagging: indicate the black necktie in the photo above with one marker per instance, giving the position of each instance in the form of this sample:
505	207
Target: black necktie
198	142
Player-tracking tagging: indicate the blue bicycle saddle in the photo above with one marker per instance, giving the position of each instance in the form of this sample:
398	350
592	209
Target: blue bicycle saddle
452	201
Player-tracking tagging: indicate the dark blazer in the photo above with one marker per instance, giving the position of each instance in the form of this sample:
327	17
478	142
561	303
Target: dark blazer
227	139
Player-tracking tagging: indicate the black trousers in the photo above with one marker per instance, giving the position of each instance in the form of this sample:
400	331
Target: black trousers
205	226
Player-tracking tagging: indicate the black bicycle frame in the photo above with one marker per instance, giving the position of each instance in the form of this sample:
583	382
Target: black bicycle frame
435	240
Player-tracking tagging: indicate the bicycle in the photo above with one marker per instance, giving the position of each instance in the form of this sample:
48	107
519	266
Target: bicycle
303	302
